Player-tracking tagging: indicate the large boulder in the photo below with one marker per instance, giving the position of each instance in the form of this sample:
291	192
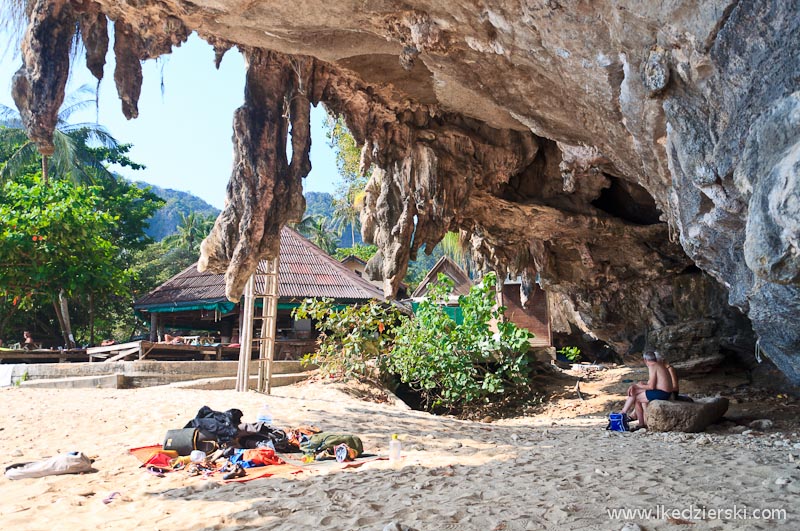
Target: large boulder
691	417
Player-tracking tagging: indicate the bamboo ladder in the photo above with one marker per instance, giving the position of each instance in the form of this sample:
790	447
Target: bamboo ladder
259	327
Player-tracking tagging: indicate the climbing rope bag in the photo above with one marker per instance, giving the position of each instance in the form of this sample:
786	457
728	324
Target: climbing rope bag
618	422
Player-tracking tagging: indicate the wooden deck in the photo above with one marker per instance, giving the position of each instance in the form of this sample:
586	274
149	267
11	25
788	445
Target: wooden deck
141	350
42	355
146	350
290	349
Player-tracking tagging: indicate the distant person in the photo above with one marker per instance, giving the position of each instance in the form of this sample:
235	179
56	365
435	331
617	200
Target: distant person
658	387
173	340
107	343
28	343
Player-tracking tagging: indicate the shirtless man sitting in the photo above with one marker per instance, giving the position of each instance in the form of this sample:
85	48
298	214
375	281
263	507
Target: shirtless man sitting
673	375
658	387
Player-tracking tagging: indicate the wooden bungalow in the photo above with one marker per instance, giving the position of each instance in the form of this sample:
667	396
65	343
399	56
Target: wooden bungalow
533	315
196	302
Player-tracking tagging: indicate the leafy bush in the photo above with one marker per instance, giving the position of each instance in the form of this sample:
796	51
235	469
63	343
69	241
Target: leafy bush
571	353
354	340
455	364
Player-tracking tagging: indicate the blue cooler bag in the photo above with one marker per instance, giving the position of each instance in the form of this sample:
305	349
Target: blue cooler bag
618	422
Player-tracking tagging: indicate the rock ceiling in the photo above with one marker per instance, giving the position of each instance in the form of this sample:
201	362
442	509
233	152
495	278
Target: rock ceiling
640	157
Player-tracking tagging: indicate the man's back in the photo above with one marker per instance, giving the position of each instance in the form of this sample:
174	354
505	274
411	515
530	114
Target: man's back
663	378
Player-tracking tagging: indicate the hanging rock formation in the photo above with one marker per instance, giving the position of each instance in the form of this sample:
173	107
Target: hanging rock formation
641	158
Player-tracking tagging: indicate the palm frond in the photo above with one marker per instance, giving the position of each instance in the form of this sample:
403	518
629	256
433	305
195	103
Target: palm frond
62	162
17	162
9	117
93	132
82	98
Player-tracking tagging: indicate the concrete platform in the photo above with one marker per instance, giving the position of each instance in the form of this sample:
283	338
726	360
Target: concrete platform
131	374
221	384
109	381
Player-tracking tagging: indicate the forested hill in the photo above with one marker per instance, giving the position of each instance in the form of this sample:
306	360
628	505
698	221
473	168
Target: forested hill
166	220
319	204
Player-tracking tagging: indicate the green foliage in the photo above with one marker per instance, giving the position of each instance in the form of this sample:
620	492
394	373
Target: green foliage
350	192
320	231
571	353
85	237
353	339
348	152
55	237
454	365
193	227
80	149
360	250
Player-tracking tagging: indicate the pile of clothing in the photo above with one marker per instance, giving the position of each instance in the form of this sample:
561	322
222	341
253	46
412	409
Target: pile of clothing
219	442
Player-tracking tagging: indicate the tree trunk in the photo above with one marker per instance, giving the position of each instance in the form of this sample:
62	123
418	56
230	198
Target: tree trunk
61	324
91	318
65	316
45	169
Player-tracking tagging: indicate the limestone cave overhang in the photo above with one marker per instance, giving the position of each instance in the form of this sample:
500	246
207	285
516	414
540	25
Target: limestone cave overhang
641	157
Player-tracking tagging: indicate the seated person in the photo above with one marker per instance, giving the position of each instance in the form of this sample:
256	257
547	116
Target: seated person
673	375
657	387
173	340
28	343
107	343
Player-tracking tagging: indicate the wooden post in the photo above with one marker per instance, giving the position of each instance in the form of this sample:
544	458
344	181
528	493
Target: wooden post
153	327
246	337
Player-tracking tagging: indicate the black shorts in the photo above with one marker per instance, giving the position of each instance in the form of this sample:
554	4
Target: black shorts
656	394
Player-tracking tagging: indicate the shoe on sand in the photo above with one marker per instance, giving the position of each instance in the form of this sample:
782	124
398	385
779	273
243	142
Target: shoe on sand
237	472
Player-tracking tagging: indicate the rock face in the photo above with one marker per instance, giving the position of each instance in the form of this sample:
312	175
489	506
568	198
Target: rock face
690	417
640	158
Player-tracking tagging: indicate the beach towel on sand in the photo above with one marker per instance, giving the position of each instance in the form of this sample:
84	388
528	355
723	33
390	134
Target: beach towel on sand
326	442
67	463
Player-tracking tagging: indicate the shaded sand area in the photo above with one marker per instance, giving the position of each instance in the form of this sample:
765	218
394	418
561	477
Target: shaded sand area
558	469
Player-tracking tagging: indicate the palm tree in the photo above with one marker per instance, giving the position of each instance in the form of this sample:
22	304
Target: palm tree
317	229
455	247
347	212
192	228
70	159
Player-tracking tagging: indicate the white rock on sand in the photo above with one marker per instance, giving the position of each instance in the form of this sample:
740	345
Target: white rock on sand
510	475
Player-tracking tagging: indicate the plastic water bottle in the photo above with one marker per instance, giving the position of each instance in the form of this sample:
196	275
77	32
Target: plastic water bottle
394	449
197	456
265	415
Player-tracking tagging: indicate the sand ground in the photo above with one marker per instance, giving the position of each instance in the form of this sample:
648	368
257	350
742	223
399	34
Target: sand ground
556	469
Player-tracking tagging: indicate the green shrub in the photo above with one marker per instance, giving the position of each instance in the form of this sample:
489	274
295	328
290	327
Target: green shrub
354	340
453	365
571	353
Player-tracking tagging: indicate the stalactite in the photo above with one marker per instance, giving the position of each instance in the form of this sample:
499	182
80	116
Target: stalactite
38	86
265	190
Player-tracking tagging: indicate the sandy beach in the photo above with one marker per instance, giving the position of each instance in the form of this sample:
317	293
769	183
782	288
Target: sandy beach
558	469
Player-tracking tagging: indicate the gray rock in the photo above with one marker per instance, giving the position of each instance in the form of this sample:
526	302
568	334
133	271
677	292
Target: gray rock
761	424
477	105
689	417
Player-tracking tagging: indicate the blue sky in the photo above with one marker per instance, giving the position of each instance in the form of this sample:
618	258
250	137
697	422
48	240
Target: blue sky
183	134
